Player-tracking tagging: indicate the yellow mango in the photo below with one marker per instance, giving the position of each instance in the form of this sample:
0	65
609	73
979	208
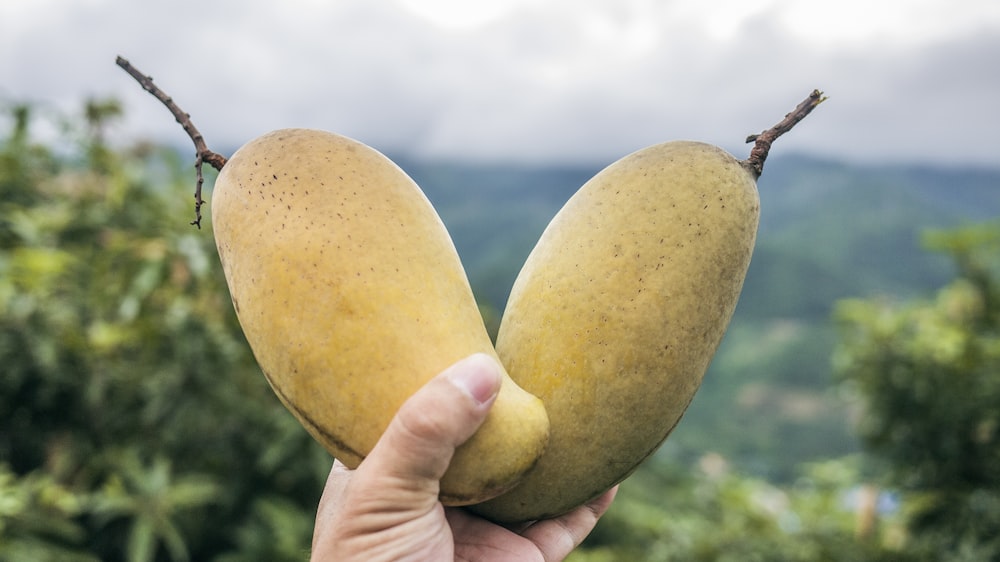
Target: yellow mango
352	296
618	311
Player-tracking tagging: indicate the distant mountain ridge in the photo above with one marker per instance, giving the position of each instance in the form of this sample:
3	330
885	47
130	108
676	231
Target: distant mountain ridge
859	222
829	230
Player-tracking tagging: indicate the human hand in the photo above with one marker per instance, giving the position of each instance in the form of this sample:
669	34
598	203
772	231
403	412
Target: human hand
388	508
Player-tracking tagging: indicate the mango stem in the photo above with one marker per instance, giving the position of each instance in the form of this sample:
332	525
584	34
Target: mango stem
762	142
203	154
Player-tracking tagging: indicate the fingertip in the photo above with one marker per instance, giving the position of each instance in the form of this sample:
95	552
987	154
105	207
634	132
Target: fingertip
477	376
602	503
556	538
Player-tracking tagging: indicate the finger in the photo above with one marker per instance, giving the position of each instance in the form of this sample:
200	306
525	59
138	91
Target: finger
336	483
557	537
414	451
332	498
480	539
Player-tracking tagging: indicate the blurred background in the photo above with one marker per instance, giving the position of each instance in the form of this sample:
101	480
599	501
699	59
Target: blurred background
850	414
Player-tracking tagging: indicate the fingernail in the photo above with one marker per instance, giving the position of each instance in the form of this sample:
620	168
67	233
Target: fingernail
478	376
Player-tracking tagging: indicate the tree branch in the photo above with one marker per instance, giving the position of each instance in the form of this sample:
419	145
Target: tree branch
203	154
762	142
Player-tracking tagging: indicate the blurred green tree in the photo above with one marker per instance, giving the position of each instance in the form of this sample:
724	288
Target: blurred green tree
135	425
927	374
120	350
668	512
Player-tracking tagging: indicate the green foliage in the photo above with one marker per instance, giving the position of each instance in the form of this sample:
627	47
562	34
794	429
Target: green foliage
709	513
127	384
135	425
153	501
927	373
38	519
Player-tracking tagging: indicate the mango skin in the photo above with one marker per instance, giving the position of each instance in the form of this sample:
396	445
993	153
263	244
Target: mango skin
618	311
352	296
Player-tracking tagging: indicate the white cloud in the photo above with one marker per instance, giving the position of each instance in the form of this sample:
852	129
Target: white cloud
540	80
461	14
886	22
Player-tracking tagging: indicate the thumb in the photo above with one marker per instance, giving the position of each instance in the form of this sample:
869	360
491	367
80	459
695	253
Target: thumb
414	451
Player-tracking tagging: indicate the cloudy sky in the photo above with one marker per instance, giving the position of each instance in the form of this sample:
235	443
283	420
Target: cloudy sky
530	80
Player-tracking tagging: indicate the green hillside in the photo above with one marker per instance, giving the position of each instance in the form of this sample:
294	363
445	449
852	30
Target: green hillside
829	230
135	423
495	214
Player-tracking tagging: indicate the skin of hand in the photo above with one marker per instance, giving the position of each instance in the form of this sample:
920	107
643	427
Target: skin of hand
388	508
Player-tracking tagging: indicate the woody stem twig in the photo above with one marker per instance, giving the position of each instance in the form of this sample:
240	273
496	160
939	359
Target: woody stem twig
762	142
203	154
